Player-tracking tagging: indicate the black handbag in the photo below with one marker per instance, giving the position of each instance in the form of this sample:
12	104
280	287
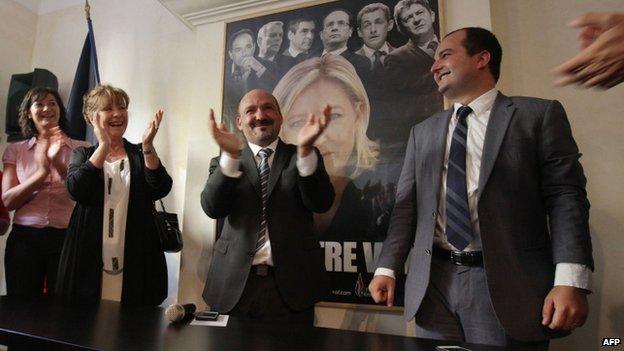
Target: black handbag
168	229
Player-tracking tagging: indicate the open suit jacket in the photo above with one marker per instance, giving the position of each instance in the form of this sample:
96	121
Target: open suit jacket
297	256
532	207
145	269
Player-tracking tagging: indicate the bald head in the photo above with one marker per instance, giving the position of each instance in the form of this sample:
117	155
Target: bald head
259	117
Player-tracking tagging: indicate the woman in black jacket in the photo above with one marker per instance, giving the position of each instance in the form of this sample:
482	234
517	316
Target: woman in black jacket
114	182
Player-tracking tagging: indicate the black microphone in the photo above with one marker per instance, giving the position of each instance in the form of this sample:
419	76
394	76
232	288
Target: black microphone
177	312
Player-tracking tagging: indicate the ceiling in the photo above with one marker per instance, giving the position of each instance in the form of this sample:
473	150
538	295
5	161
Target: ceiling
185	7
191	12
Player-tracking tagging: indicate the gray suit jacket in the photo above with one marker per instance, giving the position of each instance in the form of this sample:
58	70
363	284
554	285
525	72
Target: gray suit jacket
297	256
533	210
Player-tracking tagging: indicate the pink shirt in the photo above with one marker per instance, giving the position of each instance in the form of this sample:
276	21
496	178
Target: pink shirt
50	205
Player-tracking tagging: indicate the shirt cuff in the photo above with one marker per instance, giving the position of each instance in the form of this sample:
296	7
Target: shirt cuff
573	274
307	165
229	166
385	271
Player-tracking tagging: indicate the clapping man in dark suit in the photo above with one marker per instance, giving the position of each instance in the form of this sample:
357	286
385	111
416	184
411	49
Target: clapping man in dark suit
491	203
267	264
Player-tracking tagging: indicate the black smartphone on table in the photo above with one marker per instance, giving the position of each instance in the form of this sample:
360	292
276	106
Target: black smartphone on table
207	316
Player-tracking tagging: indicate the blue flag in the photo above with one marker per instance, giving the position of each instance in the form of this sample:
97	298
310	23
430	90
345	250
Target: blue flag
87	76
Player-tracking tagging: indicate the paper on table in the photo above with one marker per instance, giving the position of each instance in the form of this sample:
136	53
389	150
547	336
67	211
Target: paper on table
220	322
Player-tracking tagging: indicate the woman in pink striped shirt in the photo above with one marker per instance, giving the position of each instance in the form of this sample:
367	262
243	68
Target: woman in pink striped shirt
34	186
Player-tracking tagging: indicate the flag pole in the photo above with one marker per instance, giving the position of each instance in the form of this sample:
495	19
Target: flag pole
87	76
87	10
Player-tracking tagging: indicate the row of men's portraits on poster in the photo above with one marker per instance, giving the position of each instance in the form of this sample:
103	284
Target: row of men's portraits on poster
370	61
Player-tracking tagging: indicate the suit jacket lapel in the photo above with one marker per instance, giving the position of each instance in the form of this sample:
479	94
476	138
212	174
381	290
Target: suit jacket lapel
419	52
501	114
279	160
439	135
250	169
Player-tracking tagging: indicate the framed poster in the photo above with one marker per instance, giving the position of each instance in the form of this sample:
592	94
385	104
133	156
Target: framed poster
370	61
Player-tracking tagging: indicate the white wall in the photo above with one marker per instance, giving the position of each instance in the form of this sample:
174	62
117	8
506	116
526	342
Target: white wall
535	38
18	27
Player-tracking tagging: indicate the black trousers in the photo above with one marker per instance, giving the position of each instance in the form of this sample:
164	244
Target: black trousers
31	259
261	301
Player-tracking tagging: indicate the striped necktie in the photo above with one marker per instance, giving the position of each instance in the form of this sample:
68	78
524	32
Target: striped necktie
458	224
264	186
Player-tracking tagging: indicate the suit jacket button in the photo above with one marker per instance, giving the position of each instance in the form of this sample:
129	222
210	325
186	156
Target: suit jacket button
428	252
434	214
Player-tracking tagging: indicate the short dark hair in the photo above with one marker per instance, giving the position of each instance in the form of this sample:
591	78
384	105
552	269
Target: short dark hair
370	8
27	125
349	16
238	34
404	4
480	39
293	24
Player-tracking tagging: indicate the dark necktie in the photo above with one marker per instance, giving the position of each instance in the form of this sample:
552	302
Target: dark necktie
458	224
263	169
301	56
378	63
433	46
237	74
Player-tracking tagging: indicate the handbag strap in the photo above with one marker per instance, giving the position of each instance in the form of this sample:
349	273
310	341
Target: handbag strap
161	205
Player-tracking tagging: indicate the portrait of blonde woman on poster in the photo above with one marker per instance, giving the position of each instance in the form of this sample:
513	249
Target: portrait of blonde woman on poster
346	150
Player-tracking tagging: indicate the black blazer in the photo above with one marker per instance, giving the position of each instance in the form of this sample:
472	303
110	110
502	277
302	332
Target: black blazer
297	256
80	268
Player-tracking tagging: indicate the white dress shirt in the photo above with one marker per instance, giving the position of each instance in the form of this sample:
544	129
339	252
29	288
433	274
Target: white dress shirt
230	168
294	52
370	53
335	52
570	274
115	213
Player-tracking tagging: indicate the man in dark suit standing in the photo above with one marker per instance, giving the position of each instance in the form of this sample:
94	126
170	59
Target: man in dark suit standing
407	72
415	20
270	37
300	38
267	264
244	72
336	31
492	204
374	21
